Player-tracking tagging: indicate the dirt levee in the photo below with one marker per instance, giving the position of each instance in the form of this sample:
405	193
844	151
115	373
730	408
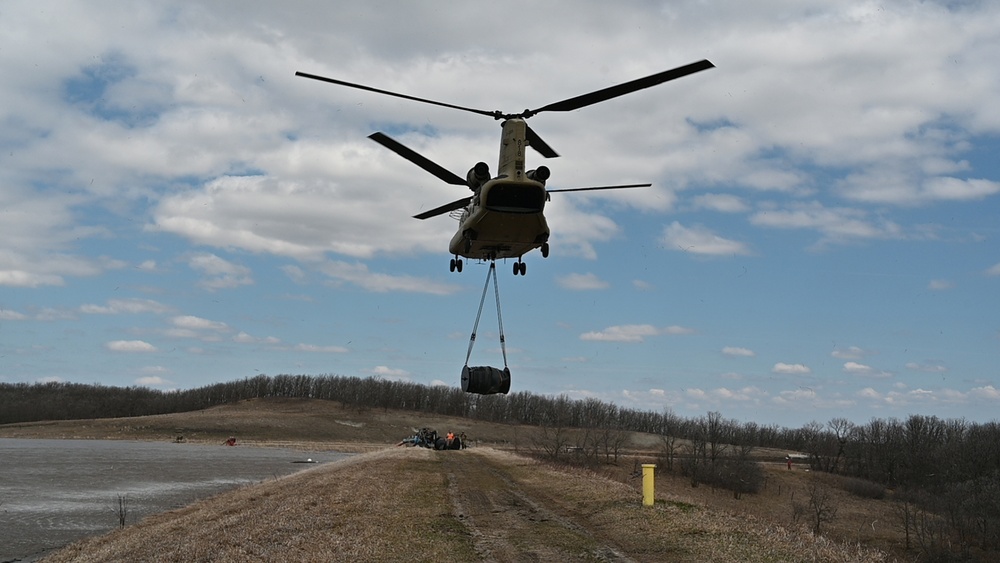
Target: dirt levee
412	504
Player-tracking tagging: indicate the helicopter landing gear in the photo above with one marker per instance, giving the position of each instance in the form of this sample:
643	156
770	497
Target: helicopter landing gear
520	267
456	264
545	250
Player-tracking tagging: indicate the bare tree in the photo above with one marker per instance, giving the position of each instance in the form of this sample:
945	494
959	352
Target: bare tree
821	507
716	434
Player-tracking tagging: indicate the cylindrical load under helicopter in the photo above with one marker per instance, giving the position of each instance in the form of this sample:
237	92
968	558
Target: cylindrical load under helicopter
485	380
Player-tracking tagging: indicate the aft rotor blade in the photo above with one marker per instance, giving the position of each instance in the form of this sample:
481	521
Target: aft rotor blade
457	204
492	114
418	159
536	142
622	89
621	187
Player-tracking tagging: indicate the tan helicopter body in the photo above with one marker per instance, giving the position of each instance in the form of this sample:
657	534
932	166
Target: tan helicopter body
504	217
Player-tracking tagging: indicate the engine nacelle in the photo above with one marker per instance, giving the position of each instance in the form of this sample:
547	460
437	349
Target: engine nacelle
539	174
478	175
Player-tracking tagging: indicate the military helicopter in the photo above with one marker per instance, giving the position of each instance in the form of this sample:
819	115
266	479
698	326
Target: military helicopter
504	217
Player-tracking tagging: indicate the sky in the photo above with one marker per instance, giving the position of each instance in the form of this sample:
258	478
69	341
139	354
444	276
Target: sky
820	240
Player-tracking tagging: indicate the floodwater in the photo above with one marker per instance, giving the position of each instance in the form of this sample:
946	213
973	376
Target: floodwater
54	492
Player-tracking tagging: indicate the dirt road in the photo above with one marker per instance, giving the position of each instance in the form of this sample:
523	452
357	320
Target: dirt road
508	522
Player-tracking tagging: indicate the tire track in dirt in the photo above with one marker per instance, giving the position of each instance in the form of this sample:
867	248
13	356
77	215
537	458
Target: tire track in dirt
506	524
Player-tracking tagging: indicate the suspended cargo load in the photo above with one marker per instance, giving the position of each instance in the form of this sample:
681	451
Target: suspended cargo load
485	380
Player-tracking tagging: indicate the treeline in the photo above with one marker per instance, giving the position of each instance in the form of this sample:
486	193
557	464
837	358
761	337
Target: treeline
23	402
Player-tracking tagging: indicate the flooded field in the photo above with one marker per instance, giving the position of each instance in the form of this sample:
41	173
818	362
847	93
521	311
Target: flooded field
53	492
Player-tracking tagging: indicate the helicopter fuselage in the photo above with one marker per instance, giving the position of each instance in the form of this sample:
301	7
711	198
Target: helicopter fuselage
505	218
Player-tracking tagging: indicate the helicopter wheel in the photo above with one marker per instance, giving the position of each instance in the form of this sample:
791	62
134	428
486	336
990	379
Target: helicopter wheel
453	265
517	269
545	250
523	267
458	265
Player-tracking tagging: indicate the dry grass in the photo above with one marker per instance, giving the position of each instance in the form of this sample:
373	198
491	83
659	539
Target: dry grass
402	504
393	505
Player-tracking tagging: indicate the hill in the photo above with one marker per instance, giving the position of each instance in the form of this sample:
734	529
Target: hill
487	502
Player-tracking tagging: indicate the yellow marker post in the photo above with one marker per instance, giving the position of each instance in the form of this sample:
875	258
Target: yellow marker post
648	485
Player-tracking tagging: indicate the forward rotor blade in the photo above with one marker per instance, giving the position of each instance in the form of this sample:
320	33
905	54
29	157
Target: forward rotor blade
536	142
622	89
457	204
493	114
621	187
418	159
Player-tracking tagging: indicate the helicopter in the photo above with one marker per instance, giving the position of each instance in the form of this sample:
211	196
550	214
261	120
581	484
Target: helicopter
504	216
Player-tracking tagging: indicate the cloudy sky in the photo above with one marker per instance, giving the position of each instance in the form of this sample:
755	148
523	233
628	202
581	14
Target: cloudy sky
821	240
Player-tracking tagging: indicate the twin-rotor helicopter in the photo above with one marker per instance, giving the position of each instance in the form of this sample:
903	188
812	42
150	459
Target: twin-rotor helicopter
503	218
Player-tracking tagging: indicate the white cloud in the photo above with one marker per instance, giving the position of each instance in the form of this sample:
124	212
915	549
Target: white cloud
642	285
987	392
940	285
389	373
906	399
321	349
632	333
796	396
849	353
869	393
883	186
581	282
993	270
927	367
130	346
244	338
152	381
8	315
790	369
723	203
837	224
219	273
358	274
21	278
118	306
700	240
859	369
854	367
192	322
737	352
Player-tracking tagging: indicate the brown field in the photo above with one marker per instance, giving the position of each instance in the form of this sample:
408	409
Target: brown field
486	503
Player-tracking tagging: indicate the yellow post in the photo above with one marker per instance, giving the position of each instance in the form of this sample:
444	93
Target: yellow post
648	485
